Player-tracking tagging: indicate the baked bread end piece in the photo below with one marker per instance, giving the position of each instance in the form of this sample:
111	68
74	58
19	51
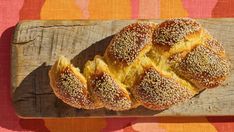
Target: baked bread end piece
70	86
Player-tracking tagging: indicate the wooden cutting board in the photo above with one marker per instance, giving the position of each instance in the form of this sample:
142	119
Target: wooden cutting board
37	44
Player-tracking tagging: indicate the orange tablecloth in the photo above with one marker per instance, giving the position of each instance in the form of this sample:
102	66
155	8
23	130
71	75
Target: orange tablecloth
12	11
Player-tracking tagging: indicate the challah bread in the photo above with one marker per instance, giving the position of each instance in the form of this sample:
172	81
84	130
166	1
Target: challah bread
145	64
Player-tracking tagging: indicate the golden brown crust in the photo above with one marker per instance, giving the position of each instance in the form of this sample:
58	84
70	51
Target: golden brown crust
172	31
203	67
69	86
129	42
157	92
109	92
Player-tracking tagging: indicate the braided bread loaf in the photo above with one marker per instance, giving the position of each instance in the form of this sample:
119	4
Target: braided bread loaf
145	64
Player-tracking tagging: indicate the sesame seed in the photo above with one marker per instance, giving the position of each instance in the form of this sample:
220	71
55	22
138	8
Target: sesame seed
215	46
203	67
74	91
109	92
158	92
126	45
172	31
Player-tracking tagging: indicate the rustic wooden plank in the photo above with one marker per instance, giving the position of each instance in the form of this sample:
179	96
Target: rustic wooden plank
37	44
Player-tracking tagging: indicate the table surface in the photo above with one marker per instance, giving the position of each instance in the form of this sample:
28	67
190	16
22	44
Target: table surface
13	11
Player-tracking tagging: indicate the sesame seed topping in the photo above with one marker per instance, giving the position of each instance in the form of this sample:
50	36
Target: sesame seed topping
109	93
158	92
126	45
74	91
215	46
203	67
172	31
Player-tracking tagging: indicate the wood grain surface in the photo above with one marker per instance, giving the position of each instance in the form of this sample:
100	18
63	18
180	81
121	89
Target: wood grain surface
37	44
